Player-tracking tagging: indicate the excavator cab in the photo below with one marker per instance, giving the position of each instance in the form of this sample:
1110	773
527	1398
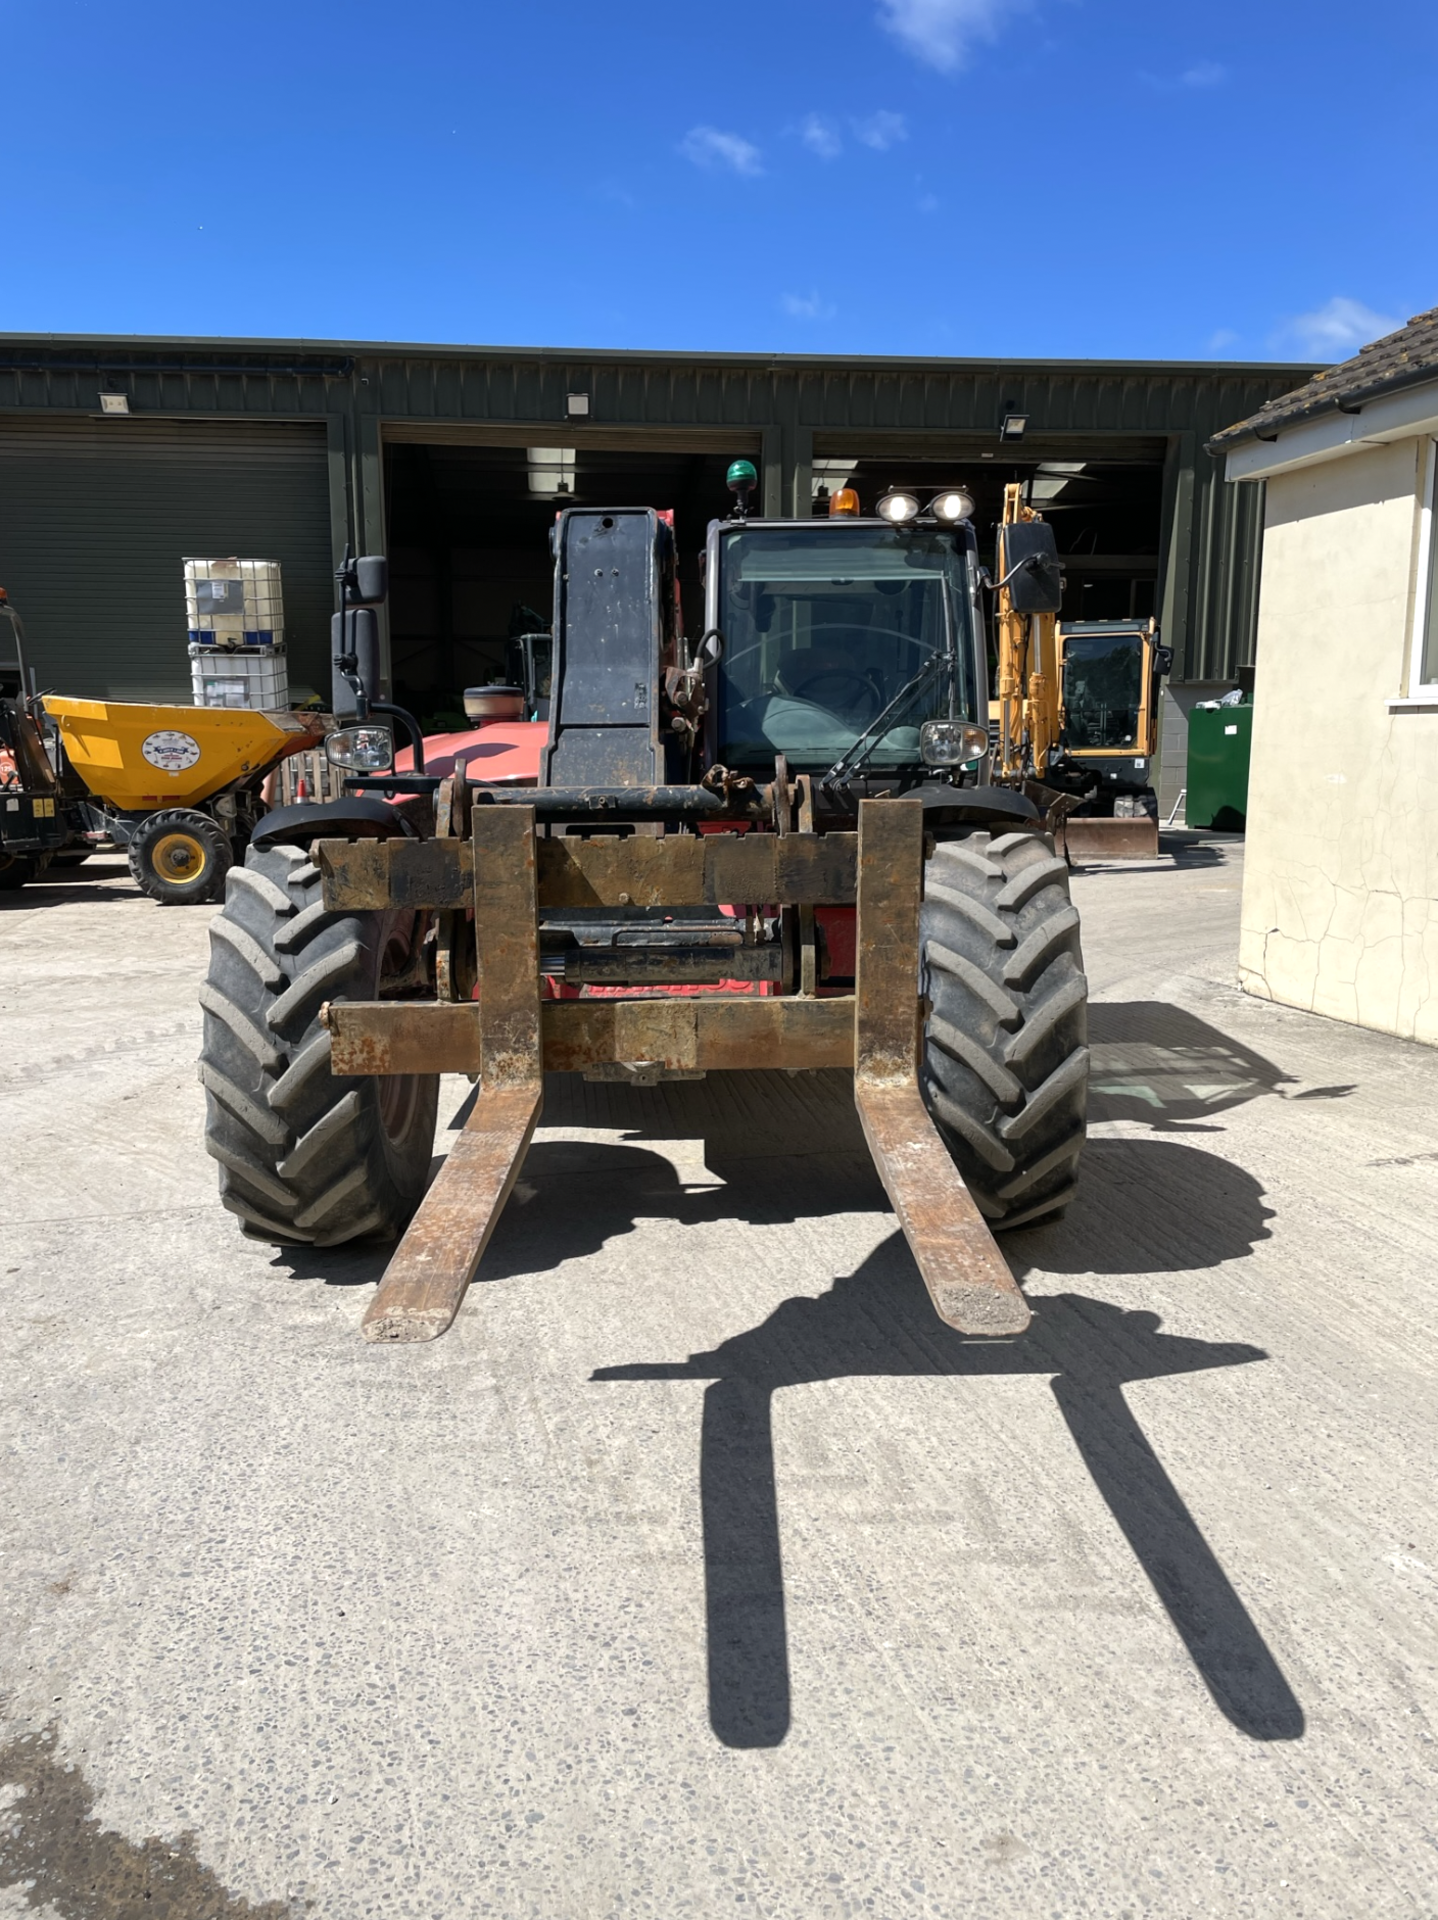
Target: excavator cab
1109	674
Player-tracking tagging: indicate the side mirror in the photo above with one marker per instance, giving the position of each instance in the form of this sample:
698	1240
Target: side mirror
1028	559
354	644
364	582
1162	659
371	580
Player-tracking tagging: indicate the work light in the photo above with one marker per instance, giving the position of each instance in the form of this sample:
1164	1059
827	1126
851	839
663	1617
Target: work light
898	506
953	506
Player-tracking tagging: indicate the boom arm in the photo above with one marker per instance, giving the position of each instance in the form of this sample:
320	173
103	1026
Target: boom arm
1028	676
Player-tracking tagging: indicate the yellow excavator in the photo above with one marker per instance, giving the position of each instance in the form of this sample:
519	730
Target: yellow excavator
1075	717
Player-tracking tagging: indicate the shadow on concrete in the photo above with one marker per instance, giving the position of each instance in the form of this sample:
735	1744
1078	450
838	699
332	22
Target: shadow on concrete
1147	1206
1143	1205
573	1197
1176	849
786	1150
1163	1066
878	1322
65	886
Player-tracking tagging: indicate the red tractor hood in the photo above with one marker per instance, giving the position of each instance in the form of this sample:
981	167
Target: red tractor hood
498	750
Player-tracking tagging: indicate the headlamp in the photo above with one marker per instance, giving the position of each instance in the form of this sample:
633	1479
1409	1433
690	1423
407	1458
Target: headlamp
361	749
951	743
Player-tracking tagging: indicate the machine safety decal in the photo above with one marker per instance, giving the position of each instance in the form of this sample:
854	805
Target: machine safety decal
170	751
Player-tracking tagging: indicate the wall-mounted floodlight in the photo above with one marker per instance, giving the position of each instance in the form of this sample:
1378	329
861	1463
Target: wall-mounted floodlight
1014	427
576	406
114	403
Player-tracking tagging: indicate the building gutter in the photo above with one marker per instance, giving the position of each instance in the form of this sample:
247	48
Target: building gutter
1397	413
1319	408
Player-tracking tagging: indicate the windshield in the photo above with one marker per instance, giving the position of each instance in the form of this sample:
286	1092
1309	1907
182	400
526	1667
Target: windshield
824	626
1103	689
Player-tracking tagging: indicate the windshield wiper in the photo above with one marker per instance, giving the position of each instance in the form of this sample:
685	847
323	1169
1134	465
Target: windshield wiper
852	760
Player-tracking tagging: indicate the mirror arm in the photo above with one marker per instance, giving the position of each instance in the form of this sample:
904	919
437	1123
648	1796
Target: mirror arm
1030	561
347	666
411	727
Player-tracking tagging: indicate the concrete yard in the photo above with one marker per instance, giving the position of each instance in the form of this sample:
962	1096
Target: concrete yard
699	1570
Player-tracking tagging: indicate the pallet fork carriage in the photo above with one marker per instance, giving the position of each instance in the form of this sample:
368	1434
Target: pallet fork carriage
510	1035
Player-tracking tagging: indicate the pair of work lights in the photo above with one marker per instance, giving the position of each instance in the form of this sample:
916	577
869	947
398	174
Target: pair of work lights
899	507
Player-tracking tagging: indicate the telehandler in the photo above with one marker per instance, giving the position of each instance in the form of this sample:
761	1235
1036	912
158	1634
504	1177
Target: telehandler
780	845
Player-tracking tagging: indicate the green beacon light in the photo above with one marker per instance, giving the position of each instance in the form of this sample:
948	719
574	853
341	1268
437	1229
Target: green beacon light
742	478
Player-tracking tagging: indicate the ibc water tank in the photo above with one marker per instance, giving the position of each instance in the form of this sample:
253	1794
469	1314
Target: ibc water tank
234	603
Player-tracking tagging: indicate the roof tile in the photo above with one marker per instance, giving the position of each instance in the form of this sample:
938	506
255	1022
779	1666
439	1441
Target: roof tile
1405	358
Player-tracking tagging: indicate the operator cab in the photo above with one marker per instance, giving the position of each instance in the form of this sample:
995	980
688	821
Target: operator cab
853	645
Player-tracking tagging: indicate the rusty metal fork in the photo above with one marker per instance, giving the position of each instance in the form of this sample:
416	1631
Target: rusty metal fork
967	1277
435	1262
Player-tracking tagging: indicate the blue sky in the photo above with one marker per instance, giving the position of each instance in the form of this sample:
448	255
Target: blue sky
1089	178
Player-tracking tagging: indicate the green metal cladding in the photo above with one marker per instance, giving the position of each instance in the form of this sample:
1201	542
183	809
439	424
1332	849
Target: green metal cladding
773	406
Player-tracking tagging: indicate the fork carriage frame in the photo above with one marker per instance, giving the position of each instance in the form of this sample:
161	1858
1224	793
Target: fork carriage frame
509	1036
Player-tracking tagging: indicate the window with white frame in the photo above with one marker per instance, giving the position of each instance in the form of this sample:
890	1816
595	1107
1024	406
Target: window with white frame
1423	674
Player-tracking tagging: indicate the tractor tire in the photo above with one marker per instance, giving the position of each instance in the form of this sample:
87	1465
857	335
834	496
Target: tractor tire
304	1155
1005	1060
180	857
18	869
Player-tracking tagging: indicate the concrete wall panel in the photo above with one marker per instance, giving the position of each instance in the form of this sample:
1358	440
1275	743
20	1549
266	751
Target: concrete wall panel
1340	903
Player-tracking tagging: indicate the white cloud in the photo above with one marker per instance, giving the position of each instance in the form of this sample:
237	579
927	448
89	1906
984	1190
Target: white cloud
821	136
940	32
808	306
881	130
1224	338
1336	330
1203	73
709	147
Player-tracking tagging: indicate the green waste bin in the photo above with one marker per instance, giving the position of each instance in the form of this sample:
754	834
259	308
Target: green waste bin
1219	739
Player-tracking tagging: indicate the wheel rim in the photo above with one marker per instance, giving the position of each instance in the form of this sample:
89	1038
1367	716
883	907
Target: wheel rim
398	1098
179	857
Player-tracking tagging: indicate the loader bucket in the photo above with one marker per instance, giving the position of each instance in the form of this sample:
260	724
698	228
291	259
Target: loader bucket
1098	837
510	1036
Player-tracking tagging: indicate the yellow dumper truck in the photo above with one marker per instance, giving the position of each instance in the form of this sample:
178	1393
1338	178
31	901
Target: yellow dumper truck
177	787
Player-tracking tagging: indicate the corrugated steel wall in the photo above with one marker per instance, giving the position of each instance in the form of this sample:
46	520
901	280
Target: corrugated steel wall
1208	578
95	527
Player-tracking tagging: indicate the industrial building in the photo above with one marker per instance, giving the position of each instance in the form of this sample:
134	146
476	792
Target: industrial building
121	457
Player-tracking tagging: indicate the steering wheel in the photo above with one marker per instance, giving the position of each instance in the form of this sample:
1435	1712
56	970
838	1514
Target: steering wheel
832	683
872	633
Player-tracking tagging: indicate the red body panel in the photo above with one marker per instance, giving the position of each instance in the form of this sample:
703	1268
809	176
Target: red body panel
506	750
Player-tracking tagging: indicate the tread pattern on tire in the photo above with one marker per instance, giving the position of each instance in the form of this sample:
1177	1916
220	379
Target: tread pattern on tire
200	826
303	1155
1005	1067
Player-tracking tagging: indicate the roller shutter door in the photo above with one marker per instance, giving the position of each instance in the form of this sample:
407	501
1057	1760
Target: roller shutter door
97	517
